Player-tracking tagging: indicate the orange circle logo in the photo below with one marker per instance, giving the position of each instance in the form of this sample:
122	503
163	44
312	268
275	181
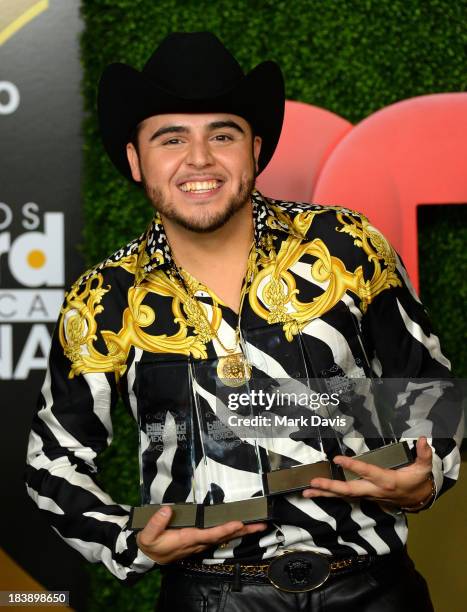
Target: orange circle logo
36	259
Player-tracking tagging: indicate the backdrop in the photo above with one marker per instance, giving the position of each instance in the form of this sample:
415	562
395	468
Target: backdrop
40	212
349	59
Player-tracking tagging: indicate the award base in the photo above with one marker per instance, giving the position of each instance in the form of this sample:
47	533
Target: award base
296	478
257	509
392	456
251	510
184	515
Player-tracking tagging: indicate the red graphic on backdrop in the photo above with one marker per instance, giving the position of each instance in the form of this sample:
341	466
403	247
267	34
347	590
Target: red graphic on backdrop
408	154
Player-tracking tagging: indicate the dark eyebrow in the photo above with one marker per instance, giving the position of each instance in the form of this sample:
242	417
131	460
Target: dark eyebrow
182	129
215	125
169	129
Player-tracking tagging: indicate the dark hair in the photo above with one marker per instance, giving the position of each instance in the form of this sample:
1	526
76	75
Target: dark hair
133	137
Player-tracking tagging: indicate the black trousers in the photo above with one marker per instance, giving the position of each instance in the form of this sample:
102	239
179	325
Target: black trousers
389	586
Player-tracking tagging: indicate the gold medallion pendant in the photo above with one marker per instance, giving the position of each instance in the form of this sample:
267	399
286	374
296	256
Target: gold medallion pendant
234	370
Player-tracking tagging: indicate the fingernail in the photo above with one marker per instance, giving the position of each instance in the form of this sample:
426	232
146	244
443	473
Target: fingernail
164	512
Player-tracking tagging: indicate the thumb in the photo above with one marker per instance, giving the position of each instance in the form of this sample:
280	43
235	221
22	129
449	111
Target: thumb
156	525
424	452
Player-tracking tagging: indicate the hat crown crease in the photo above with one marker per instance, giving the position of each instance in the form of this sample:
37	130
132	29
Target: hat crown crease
193	65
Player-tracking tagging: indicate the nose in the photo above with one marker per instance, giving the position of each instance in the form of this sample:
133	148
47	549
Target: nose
199	154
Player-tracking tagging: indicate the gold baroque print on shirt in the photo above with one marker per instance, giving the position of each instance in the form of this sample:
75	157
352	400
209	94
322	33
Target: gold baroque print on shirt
377	249
138	315
78	326
274	294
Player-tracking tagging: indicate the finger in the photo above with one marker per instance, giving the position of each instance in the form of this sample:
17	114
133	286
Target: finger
213	534
309	493
239	533
155	526
379	476
192	536
254	527
248	529
354	488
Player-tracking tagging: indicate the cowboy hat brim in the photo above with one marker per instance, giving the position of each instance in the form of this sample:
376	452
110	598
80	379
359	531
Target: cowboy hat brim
126	97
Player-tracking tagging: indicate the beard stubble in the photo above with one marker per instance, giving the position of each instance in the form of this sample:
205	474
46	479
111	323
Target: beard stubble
207	222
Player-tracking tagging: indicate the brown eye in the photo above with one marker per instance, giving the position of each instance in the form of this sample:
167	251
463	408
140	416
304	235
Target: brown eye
223	137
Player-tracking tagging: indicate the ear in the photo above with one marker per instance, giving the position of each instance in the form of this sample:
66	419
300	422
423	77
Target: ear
133	160
256	150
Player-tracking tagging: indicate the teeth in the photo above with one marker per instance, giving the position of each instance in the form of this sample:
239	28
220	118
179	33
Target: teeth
199	186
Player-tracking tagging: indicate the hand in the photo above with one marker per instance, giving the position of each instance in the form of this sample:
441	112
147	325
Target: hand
405	486
167	545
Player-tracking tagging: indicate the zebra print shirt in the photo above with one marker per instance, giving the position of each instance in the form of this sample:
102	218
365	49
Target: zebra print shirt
319	273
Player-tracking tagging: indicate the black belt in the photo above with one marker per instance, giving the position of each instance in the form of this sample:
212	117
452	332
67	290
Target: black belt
292	571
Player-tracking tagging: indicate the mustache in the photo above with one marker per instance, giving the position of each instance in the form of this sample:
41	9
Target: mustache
204	224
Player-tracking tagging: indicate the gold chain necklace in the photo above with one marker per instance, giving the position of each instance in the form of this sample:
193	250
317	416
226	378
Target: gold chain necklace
233	369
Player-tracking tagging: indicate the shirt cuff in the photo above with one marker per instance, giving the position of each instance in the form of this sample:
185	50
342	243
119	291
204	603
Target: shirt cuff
438	475
142	562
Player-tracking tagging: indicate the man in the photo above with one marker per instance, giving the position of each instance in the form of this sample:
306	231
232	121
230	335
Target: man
228	277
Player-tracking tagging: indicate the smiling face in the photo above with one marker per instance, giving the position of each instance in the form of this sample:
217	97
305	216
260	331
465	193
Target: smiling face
197	169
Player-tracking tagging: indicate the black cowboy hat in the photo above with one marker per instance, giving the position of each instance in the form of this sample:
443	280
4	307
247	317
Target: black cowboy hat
189	73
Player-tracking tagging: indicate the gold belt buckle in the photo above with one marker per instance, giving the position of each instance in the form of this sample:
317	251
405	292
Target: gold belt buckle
299	571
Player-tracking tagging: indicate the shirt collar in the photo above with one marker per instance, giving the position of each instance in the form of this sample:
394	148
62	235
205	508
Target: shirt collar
155	252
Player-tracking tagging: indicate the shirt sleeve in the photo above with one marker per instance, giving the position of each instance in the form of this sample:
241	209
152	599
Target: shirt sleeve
71	426
403	346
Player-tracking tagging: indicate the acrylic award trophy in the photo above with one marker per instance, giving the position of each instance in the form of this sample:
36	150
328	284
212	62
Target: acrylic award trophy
221	437
229	476
292	449
190	458
366	404
201	450
167	442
